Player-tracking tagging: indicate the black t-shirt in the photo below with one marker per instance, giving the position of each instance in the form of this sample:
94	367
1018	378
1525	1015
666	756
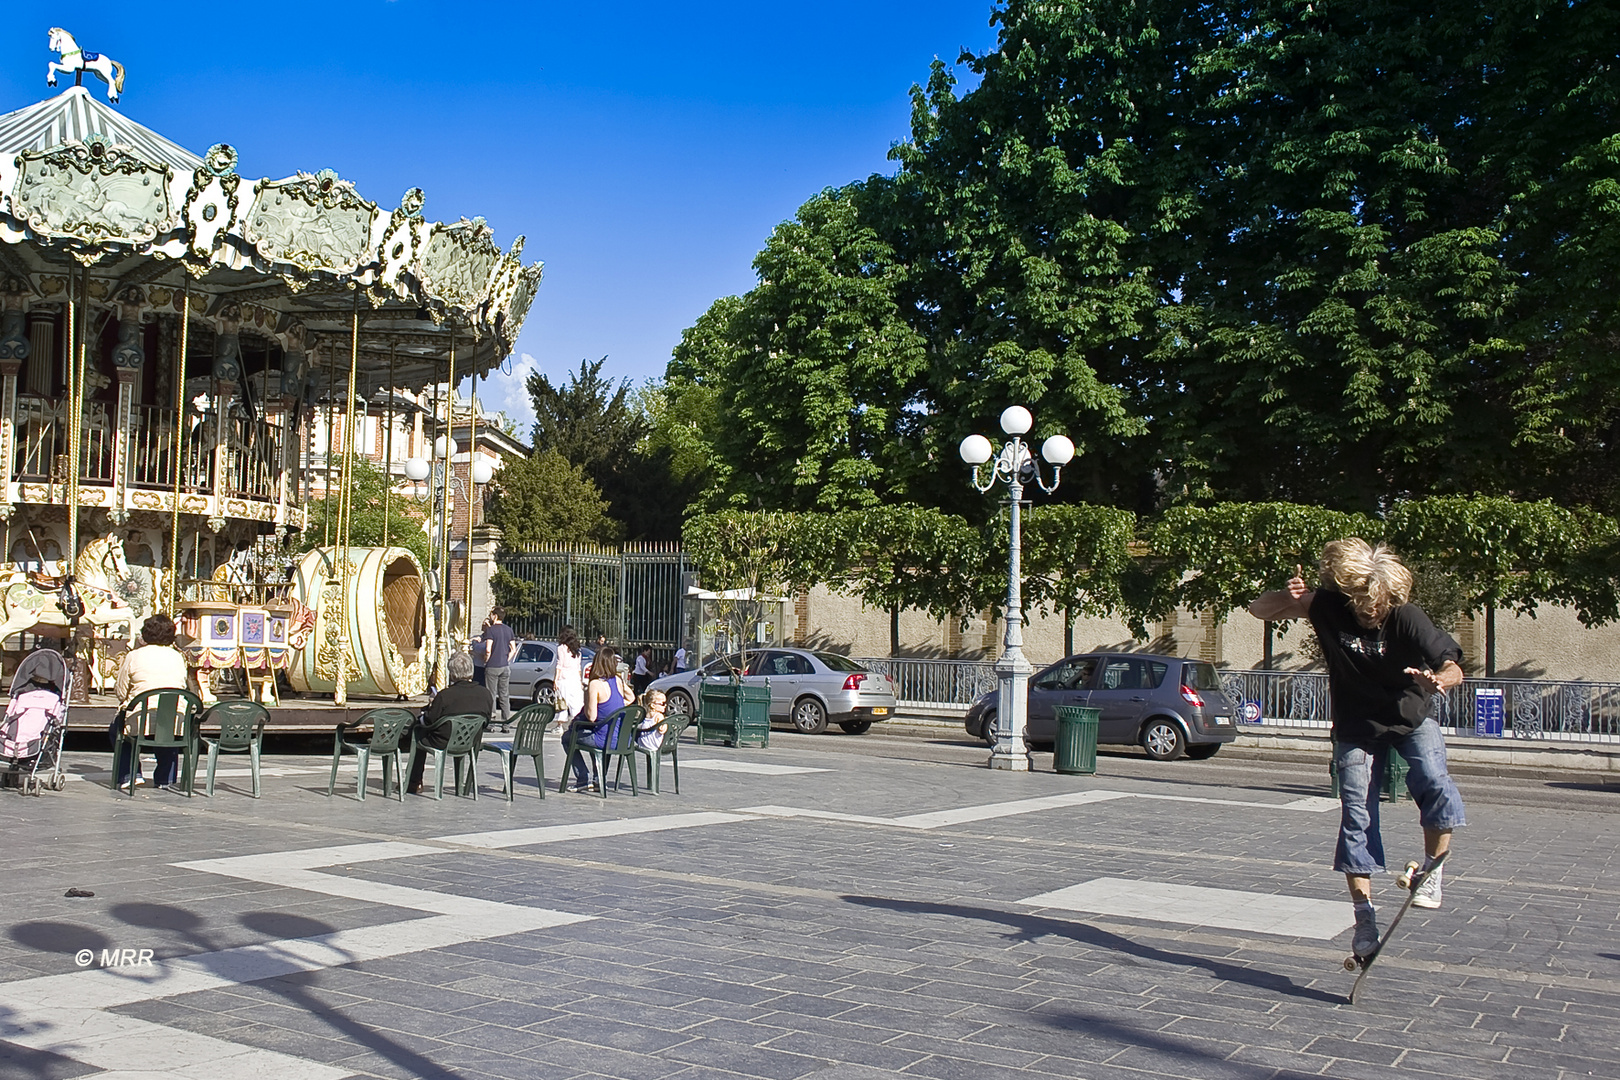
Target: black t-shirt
499	639
1373	697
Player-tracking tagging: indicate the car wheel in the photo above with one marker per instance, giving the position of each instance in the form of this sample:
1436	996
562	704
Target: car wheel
1204	752
988	731
809	716
541	692
678	701
1163	740
856	727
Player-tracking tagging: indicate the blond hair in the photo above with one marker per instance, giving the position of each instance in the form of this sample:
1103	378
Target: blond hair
1371	578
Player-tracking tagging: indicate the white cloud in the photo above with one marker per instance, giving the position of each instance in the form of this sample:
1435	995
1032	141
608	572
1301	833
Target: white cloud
504	391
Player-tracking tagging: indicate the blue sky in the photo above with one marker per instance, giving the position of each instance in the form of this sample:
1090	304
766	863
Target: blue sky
645	150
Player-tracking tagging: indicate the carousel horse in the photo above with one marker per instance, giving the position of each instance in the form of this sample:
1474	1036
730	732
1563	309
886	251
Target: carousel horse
143	591
75	60
38	603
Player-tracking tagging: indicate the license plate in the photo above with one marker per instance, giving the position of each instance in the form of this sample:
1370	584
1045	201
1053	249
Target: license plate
881	710
1223	719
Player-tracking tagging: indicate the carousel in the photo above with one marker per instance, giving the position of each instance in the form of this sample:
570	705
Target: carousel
188	358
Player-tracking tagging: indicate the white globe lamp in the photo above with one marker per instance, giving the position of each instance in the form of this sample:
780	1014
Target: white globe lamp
976	449
1059	450
445	448
1015	420
416	469
482	471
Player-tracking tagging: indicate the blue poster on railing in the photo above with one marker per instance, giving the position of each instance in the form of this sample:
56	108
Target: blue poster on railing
1250	712
1488	710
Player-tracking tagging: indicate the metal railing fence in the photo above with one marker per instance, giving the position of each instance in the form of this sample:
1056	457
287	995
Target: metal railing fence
1548	709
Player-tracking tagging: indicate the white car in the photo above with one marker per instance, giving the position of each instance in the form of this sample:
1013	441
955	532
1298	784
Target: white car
536	667
809	689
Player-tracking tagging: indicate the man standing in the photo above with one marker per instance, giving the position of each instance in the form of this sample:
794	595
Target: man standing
500	648
680	659
1385	660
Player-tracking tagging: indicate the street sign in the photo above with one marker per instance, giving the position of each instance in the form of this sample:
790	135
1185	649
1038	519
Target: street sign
1489	706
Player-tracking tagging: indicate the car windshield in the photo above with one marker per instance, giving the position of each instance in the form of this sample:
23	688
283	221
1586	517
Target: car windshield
723	666
837	663
1198	675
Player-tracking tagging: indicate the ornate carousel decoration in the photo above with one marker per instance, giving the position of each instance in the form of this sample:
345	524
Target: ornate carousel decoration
176	340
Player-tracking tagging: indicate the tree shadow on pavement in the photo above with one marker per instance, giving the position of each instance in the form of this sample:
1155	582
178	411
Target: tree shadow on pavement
1027	927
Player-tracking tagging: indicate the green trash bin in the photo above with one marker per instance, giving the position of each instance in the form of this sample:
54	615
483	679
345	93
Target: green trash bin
1076	751
1394	780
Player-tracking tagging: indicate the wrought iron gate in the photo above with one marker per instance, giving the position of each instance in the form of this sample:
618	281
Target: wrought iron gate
632	595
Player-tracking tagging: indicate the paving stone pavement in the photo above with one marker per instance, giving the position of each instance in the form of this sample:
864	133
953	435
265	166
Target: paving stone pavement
801	925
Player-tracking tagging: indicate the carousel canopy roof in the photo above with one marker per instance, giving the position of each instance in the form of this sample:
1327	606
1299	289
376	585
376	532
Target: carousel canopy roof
74	116
296	258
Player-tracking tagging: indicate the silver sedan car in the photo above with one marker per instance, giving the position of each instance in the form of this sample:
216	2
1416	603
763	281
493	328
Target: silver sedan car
808	689
536	666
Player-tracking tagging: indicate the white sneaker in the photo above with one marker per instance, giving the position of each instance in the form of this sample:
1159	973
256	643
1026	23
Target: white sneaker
1428	893
1365	942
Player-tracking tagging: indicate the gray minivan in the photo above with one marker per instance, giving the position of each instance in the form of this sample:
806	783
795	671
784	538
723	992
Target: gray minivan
1169	705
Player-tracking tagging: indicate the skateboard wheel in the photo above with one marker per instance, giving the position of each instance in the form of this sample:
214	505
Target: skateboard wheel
1349	963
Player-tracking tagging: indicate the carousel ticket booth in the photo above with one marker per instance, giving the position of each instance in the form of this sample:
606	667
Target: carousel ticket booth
189	357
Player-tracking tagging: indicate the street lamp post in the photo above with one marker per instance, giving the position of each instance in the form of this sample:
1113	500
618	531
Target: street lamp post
1018	467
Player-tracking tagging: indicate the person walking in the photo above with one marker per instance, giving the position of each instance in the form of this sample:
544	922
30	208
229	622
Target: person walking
568	681
1385	660
500	649
641	674
478	651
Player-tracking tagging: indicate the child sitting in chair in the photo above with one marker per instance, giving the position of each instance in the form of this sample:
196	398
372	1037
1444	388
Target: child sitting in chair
650	736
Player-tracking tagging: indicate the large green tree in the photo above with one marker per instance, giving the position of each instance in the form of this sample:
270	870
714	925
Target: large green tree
1342	253
605	428
814	372
543	499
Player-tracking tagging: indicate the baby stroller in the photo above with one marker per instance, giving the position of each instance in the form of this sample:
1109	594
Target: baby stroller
36	720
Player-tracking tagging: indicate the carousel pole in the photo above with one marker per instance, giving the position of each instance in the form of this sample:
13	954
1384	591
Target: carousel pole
331	426
340	693
472	491
179	445
388	447
75	404
446	510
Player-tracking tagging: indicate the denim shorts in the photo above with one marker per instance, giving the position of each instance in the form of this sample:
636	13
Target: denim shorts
1361	845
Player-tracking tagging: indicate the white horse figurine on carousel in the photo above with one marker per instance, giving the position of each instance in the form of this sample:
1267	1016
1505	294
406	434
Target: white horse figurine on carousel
29	603
75	61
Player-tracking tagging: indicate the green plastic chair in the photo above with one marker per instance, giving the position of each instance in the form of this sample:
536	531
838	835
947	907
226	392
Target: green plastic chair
466	735
527	742
388	727
161	720
621	743
241	731
674	725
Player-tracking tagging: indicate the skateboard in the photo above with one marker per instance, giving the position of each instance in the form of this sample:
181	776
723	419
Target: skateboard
1411	880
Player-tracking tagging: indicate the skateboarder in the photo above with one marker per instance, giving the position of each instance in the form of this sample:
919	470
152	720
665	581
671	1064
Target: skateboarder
1385	660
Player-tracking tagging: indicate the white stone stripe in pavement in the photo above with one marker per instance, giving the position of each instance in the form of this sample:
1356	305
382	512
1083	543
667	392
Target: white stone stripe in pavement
591	830
758	768
988	811
1225	909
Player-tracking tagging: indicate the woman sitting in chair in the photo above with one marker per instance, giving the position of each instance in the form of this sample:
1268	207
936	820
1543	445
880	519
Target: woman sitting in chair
155	665
461	696
606	695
